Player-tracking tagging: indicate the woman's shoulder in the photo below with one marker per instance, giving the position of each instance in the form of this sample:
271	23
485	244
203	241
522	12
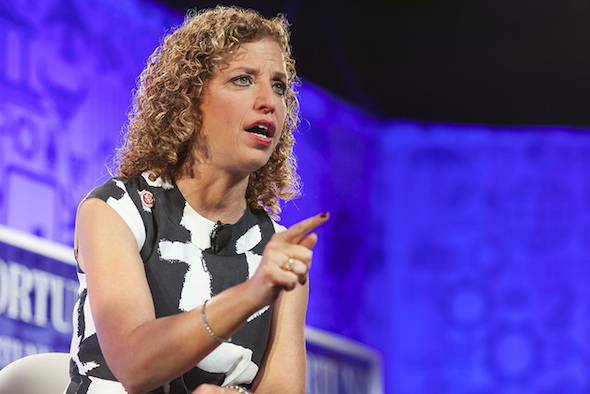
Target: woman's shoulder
117	187
132	198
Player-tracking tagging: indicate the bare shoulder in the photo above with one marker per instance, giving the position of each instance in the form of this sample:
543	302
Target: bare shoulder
100	230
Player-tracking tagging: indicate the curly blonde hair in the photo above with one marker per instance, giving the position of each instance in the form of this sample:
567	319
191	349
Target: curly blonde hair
164	123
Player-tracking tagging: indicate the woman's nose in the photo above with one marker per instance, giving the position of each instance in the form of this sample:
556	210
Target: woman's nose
266	98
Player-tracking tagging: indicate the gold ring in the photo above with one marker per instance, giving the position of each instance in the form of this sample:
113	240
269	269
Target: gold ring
289	265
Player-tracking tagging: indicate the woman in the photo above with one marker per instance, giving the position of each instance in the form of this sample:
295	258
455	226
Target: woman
186	282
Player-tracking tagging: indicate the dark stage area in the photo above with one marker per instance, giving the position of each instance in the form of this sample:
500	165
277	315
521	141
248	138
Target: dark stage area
486	62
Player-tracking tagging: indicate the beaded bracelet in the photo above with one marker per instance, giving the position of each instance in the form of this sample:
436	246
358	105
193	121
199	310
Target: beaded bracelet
240	389
209	330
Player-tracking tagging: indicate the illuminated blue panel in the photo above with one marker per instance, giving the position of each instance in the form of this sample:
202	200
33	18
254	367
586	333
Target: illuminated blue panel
486	243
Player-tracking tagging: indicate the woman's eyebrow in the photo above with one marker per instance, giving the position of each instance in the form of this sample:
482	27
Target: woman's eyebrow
280	76
244	69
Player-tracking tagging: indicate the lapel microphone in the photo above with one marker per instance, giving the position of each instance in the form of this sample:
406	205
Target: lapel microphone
220	236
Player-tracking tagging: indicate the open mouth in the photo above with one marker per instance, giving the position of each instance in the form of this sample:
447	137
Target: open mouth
261	130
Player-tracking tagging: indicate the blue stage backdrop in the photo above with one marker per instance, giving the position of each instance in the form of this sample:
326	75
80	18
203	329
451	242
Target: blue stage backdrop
458	251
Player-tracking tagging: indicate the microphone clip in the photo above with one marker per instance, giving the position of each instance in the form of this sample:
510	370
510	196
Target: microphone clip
220	236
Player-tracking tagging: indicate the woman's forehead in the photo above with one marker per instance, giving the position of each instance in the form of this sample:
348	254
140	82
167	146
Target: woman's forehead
250	52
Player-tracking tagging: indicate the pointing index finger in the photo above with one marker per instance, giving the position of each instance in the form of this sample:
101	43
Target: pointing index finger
298	231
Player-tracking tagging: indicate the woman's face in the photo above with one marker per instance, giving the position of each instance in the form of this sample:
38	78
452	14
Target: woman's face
243	108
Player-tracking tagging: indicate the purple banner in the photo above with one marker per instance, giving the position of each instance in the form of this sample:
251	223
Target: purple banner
38	289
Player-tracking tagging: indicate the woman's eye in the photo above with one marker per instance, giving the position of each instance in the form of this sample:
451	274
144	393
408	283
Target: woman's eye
279	88
242	80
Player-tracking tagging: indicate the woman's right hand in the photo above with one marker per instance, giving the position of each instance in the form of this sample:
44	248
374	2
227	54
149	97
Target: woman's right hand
286	260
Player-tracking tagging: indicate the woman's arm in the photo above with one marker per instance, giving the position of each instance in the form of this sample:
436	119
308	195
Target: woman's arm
283	368
284	364
144	352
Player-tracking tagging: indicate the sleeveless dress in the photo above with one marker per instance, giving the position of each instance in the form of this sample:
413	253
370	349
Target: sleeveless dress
182	273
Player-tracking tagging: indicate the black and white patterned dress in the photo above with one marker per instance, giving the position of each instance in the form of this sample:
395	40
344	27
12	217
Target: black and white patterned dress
182	272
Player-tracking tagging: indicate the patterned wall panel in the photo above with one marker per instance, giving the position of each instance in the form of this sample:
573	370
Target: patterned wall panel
487	263
66	72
